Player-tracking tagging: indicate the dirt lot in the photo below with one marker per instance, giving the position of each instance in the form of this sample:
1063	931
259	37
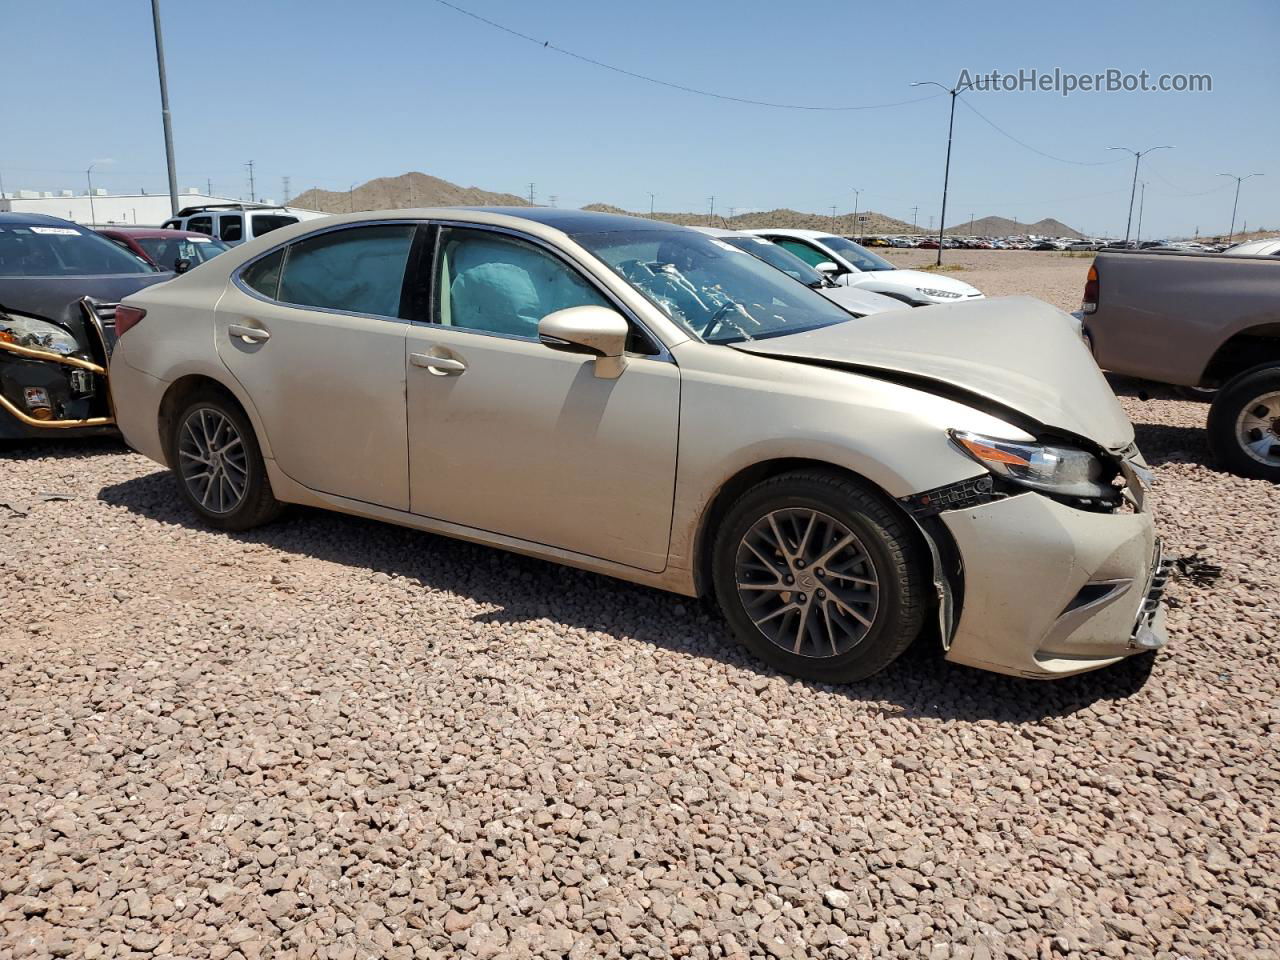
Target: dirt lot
333	738
1057	278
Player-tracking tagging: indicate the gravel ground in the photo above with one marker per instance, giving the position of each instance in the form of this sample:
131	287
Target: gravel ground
1056	277
334	738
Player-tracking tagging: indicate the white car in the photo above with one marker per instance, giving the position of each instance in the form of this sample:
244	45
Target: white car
1267	247
854	265
854	299
234	223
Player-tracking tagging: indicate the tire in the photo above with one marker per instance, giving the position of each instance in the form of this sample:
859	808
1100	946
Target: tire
1248	406
840	642
1197	394
240	471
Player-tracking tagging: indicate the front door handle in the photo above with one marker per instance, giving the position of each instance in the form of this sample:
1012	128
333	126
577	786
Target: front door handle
250	334
440	366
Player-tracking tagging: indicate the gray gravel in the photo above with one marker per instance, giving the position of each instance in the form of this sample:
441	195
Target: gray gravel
334	738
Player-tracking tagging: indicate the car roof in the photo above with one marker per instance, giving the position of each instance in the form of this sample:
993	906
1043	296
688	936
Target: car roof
153	232
34	218
788	232
569	221
718	231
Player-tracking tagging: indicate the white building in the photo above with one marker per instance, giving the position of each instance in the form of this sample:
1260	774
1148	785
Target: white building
121	209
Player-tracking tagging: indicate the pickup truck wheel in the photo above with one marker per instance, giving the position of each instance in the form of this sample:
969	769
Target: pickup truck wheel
1198	394
1244	424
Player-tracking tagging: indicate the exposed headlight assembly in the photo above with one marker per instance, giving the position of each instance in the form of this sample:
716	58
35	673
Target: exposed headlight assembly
1053	468
36	334
940	294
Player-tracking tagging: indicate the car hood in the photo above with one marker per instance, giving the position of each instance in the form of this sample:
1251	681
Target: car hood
58	298
861	301
1017	357
915	279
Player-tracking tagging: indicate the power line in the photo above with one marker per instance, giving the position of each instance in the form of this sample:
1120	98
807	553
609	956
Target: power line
1004	133
548	45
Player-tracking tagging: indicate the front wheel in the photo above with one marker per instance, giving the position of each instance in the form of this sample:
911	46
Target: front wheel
218	466
1244	424
819	577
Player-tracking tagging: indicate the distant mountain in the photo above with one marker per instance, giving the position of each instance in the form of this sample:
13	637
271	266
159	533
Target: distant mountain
407	190
1000	227
783	219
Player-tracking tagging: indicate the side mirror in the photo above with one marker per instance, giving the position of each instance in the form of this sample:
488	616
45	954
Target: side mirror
598	331
181	265
827	267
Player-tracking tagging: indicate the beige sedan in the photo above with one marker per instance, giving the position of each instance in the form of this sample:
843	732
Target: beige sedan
651	403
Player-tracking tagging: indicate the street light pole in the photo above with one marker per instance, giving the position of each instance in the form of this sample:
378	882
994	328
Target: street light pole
1236	202
1133	190
88	175
946	174
856	194
1142	203
164	110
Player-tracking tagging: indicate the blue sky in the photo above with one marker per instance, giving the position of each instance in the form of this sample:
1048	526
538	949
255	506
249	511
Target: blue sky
330	93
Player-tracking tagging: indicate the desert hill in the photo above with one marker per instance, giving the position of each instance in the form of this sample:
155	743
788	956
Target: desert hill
1002	227
407	190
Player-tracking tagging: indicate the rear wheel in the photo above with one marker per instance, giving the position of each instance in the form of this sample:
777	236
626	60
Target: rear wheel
218	466
1244	424
819	577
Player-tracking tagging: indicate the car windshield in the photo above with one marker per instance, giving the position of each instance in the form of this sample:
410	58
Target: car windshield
858	255
712	289
62	250
167	251
775	256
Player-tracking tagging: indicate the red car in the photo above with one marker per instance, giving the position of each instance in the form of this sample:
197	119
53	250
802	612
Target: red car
165	248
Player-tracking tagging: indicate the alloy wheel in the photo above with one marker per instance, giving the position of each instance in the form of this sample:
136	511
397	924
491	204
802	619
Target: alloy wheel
1258	429
807	582
213	461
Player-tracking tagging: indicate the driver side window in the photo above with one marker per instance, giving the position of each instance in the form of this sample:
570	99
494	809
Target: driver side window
497	284
802	250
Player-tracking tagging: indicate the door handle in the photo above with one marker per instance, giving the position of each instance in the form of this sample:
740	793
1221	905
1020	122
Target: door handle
440	366
251	334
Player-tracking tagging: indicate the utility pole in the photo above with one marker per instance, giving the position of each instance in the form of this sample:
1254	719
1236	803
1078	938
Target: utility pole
946	172
712	200
651	198
1137	158
971	224
1142	202
531	194
553	199
88	175
833	219
253	196
733	211
208	187
1235	203
914	211
351	198
285	182
858	230
164	109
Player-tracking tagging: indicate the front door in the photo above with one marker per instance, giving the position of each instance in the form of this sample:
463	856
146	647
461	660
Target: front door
314	334
512	437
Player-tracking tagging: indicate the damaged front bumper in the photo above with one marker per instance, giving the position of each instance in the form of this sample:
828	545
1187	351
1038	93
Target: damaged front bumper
45	393
1050	590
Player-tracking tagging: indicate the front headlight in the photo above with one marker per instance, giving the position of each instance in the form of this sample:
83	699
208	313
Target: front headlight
37	334
1053	468
940	294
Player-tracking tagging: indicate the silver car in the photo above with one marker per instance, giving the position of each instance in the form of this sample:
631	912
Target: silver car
647	402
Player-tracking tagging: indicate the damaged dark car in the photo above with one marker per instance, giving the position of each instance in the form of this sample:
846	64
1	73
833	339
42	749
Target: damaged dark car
59	287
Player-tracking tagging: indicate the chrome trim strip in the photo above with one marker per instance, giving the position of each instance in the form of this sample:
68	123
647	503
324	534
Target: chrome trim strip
50	357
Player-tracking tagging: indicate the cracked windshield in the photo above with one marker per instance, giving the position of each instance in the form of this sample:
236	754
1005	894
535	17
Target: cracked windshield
714	290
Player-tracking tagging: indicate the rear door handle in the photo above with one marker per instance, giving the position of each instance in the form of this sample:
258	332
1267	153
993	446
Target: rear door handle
440	366
251	334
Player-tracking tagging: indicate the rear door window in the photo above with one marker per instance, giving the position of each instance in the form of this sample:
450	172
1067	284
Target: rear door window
357	270
263	276
266	222
231	227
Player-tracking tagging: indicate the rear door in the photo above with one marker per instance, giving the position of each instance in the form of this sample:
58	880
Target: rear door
314	332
